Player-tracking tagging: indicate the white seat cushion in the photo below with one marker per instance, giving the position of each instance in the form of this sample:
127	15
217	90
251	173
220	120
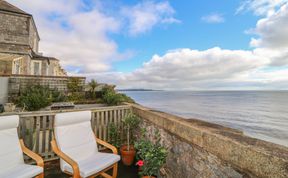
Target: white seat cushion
11	155
94	163
77	141
21	171
10	150
75	137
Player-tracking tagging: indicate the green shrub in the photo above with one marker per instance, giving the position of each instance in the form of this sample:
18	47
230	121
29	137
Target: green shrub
75	90
74	85
35	97
114	134
126	98
152	156
111	97
58	96
107	89
130	122
76	96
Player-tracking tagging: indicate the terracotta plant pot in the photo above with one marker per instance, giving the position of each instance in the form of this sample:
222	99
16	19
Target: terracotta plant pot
127	156
148	177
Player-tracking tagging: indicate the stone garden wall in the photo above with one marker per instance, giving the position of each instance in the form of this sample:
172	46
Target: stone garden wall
201	149
18	83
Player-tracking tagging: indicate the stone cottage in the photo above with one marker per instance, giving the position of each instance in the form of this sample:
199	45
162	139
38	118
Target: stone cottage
19	43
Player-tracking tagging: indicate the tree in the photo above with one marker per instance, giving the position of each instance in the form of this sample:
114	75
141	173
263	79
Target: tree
93	84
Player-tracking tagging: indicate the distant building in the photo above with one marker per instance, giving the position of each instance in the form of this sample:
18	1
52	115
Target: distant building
19	42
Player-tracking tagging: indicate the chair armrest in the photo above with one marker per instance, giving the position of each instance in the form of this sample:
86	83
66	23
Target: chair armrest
31	154
107	145
73	164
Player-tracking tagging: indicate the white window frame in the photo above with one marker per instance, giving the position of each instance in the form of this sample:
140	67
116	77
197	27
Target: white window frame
16	61
51	70
40	67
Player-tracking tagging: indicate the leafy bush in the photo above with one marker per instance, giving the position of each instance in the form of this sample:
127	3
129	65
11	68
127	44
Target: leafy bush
111	97
114	134
151	156
106	89
35	97
58	96
76	96
131	122
126	98
74	85
75	90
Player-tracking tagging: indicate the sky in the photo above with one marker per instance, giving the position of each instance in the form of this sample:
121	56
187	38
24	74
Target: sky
170	45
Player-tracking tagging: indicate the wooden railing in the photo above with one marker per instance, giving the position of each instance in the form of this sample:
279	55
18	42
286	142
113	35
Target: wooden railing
36	128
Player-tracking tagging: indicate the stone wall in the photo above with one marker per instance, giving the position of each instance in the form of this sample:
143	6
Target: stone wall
18	83
25	62
33	36
200	149
18	33
14	29
15	48
7	61
5	67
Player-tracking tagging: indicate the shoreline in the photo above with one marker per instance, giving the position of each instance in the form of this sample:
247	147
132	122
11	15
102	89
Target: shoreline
261	115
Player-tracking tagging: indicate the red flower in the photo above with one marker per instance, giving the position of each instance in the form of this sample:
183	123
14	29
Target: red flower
140	163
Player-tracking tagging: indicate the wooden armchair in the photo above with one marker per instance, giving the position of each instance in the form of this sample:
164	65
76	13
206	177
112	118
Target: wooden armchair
12	149
76	145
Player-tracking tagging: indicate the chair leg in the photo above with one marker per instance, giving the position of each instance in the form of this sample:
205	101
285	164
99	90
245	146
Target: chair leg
103	174
115	170
40	175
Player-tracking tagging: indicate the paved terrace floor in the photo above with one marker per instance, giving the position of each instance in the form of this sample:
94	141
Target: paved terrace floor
52	170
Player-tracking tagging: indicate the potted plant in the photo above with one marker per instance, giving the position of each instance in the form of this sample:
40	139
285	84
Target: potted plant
115	135
127	151
151	157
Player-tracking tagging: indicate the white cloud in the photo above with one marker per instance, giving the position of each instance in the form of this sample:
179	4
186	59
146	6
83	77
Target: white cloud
145	15
79	38
213	18
192	69
215	68
272	30
76	36
273	39
77	33
260	7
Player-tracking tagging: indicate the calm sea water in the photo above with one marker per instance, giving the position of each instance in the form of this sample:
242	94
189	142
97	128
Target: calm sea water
259	114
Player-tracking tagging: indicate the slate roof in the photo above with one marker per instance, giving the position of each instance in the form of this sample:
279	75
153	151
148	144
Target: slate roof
39	57
5	6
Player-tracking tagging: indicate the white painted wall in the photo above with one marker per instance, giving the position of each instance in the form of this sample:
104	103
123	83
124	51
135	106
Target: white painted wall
3	89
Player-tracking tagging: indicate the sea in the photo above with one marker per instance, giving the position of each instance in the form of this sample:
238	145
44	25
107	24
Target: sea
259	114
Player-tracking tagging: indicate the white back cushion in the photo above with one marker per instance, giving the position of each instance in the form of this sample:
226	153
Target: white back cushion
10	150
74	135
